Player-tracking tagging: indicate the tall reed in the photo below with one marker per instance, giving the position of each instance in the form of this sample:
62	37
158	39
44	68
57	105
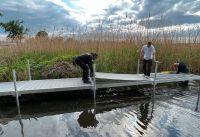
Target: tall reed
118	52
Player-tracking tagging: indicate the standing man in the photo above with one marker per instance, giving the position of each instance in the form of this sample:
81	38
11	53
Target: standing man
85	61
148	53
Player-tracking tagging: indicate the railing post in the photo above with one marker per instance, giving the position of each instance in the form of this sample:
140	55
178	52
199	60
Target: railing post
94	81
155	74
138	62
138	66
29	70
15	88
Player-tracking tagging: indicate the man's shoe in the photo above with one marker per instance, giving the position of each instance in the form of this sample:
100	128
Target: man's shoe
87	82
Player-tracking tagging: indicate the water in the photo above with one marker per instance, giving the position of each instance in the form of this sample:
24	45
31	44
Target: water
173	112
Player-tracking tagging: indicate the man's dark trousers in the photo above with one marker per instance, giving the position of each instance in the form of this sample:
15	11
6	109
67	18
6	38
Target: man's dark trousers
85	70
147	67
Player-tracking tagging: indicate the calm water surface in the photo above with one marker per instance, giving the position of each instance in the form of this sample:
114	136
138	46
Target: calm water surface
174	112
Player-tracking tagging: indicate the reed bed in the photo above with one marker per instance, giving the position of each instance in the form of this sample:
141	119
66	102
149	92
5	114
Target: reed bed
115	55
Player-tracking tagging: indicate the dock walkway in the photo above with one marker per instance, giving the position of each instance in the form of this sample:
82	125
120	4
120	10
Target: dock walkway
103	80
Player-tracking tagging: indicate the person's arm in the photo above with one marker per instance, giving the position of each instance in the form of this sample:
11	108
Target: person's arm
178	69
90	65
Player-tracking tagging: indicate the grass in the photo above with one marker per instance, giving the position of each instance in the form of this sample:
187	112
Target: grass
114	56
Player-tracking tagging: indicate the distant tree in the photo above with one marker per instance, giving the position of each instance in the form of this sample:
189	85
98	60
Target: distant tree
15	29
0	16
42	33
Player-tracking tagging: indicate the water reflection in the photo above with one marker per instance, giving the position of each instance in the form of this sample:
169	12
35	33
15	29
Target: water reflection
88	119
109	116
197	104
1	131
20	120
145	115
21	124
144	110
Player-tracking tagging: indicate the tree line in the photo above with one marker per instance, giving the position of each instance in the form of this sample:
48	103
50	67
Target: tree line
16	29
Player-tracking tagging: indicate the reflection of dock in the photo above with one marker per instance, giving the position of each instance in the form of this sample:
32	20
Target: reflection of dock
104	80
9	113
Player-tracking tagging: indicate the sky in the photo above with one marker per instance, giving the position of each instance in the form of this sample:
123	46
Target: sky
50	15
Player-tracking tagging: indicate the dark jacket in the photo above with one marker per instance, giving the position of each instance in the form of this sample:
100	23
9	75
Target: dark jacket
86	59
182	68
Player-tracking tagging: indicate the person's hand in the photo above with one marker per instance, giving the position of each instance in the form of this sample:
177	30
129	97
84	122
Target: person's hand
91	74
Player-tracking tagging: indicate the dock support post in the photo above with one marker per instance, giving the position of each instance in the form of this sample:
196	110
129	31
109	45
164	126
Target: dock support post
197	104
138	66
154	81
16	92
94	82
29	69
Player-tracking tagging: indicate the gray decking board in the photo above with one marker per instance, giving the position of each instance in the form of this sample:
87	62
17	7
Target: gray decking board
40	86
69	84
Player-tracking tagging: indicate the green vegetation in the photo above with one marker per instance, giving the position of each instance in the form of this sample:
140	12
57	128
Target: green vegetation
42	33
52	58
14	28
117	48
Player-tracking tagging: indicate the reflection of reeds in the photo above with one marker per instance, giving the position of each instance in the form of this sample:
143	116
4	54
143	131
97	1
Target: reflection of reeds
117	50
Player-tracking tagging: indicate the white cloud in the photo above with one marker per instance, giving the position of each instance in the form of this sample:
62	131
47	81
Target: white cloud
61	4
197	13
38	15
87	8
45	14
84	9
14	5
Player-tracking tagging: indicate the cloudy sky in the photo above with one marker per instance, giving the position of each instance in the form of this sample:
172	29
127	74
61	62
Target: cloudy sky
50	14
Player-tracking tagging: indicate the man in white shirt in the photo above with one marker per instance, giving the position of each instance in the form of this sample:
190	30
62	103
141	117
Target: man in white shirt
148	52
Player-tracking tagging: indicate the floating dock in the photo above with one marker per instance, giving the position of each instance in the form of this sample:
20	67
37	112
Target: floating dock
103	80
